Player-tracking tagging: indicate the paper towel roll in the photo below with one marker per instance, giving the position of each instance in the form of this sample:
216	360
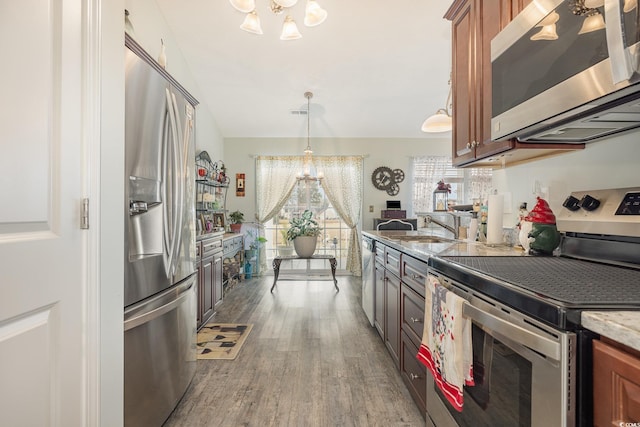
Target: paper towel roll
494	219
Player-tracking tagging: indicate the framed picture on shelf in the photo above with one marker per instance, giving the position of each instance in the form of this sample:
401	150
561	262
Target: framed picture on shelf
218	220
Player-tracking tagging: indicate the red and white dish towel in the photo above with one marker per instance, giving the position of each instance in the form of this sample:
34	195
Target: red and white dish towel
446	348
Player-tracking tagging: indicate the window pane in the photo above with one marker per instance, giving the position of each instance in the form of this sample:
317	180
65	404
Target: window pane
466	184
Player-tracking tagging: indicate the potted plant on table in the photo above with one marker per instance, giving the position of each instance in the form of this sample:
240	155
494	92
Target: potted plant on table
285	249
236	218
304	232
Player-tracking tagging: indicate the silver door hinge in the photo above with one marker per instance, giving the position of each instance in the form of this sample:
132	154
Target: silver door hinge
84	215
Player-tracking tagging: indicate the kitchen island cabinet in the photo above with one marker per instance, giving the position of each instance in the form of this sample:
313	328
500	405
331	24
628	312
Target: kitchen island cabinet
474	24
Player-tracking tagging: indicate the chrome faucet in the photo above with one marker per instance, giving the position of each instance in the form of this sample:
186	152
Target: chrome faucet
456	224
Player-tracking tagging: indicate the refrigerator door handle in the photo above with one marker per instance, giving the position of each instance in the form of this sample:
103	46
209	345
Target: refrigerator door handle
172	233
166	135
180	166
158	311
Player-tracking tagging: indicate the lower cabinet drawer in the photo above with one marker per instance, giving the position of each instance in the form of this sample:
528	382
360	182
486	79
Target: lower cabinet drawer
414	373
414	273
412	313
392	260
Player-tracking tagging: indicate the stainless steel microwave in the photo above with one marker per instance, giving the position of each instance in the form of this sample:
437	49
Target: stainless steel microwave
567	71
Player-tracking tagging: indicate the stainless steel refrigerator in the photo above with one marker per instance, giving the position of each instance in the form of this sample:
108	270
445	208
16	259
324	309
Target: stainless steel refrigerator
160	288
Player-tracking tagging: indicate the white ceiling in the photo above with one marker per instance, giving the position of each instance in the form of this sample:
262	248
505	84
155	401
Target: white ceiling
376	68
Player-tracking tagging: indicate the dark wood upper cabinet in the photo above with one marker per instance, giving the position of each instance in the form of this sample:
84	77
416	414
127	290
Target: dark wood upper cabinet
474	24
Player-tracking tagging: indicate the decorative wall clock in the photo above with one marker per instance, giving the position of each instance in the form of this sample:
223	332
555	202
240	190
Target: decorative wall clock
387	179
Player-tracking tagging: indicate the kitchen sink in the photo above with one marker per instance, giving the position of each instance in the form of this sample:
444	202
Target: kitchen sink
421	239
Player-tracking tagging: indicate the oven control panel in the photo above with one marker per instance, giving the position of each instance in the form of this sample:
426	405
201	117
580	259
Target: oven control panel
605	212
630	204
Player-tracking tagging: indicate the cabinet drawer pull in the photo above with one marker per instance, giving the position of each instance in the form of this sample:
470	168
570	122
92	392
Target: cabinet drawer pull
414	320
414	377
416	276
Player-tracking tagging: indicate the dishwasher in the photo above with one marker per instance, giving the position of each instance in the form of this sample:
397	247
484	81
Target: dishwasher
368	277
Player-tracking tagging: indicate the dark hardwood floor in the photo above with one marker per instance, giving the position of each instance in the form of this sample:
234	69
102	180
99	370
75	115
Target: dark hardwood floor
312	359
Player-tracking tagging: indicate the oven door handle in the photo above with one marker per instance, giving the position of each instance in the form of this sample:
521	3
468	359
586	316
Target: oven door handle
529	339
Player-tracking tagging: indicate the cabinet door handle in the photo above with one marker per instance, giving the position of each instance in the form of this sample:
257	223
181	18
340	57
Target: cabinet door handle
414	320
468	145
414	377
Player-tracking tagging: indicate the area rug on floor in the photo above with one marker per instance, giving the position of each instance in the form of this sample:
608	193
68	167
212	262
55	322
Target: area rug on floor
221	340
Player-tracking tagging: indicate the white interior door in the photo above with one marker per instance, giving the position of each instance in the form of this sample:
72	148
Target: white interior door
42	274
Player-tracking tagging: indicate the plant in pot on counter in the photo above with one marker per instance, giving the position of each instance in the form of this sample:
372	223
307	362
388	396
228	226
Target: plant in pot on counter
236	218
304	232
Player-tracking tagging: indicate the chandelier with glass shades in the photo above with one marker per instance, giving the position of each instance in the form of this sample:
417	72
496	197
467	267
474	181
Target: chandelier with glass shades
307	164
314	15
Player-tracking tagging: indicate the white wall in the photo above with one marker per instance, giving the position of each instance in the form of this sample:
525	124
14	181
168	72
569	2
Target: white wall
395	154
611	163
150	26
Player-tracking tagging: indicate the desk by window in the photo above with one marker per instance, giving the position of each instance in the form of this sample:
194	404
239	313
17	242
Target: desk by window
278	260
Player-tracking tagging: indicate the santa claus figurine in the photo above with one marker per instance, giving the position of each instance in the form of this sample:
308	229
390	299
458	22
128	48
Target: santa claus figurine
538	233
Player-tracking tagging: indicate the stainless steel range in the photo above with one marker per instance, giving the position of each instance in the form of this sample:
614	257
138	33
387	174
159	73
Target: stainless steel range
531	354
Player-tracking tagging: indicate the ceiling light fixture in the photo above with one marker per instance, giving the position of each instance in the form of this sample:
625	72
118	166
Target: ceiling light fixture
308	152
314	15
441	120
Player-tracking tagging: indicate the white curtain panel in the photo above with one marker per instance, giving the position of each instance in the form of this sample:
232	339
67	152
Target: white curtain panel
275	179
480	183
427	171
342	184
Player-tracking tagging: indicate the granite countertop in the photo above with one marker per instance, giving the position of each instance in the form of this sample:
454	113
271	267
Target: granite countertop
401	240
620	326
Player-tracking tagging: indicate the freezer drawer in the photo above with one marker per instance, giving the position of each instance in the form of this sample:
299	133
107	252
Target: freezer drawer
159	354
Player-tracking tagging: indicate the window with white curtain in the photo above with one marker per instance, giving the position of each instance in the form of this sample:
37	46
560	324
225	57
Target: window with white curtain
466	184
336	204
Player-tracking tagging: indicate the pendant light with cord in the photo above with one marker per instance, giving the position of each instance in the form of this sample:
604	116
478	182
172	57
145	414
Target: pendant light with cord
308	152
441	121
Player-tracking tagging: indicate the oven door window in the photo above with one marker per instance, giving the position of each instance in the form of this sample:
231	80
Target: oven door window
502	394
